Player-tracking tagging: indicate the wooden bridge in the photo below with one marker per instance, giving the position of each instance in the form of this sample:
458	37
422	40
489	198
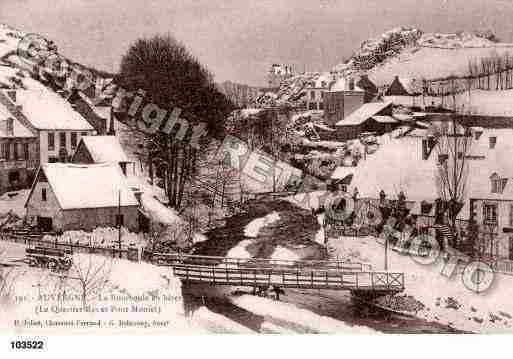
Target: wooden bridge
335	275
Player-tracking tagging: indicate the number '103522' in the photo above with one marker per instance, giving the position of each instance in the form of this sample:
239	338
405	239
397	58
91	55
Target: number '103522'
27	344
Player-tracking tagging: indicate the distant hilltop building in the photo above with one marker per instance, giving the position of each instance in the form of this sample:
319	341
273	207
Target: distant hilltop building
277	74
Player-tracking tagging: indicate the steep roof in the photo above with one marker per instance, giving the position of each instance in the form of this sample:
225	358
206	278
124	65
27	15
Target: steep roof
46	110
363	113
397	166
19	130
87	186
104	149
410	85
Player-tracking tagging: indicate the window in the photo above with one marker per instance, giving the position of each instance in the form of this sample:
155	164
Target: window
5	151
15	151
26	151
83	134
119	220
312	95
51	141
9	152
53	159
43	194
73	139
493	142
490	213
62	139
14	177
320	106
511	215
498	184
311	106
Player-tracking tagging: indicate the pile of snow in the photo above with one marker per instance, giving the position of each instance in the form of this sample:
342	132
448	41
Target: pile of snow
146	286
158	212
240	251
283	253
446	299
253	228
14	202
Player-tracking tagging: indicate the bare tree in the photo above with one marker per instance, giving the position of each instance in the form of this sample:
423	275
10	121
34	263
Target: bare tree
452	147
90	275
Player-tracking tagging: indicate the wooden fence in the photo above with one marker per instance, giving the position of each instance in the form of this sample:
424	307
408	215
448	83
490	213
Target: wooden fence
37	239
244	263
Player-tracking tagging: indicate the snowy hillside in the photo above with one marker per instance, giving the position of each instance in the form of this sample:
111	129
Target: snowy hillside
408	52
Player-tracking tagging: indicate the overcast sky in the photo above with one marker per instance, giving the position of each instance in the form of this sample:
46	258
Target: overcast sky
239	39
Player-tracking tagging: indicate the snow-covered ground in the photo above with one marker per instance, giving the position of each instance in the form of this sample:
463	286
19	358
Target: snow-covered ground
154	290
14	201
447	299
292	316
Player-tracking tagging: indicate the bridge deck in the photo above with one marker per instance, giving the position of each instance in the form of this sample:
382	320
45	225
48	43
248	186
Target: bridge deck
292	278
243	263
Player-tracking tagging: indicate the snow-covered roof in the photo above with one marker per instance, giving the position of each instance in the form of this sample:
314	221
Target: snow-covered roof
88	186
19	130
410	85
363	113
158	212
342	84
342	172
397	166
104	149
48	111
384	119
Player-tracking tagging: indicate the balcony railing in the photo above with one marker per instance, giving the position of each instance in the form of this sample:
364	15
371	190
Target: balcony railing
15	164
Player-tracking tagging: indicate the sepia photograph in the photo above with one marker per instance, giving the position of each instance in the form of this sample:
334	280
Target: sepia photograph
174	167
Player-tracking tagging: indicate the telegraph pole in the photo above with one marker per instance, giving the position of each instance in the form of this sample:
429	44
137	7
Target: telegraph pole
119	222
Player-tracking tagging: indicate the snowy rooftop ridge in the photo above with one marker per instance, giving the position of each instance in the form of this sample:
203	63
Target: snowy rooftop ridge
88	186
48	111
363	113
104	149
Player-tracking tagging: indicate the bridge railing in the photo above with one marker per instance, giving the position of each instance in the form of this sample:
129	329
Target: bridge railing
228	262
290	278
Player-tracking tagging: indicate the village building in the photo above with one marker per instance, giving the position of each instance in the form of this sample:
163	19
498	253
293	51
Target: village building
404	91
277	73
19	154
375	117
408	162
343	98
67	196
101	149
57	125
315	91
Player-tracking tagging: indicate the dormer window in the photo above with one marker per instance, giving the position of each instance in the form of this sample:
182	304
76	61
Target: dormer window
498	184
493	142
